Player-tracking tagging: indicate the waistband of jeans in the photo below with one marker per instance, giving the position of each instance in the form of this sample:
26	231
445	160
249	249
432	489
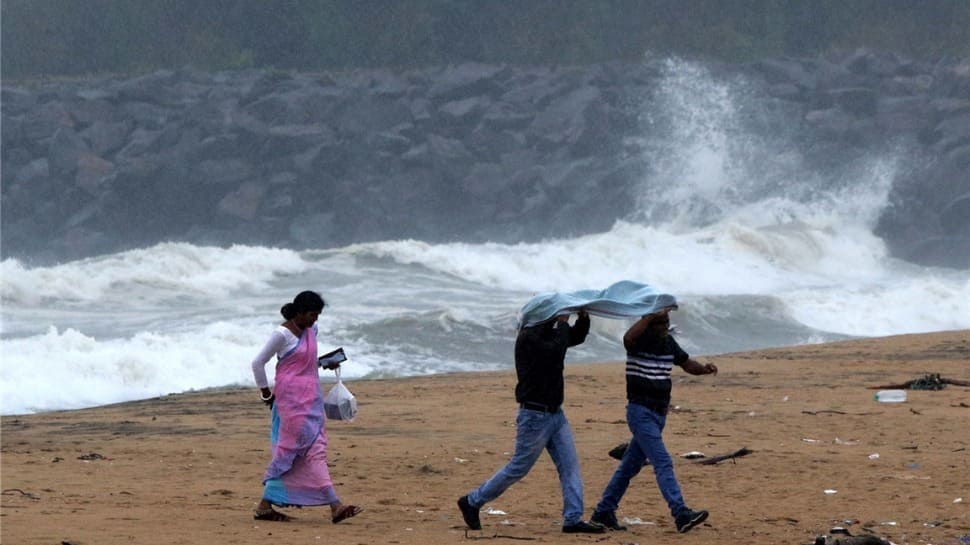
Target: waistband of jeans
654	405
539	407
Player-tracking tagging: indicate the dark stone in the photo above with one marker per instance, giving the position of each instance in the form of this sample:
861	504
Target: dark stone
104	137
955	218
65	149
858	101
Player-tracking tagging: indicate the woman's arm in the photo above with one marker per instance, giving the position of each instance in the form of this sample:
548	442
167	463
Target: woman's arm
272	347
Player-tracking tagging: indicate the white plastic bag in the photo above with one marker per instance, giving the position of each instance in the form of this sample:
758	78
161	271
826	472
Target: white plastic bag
339	403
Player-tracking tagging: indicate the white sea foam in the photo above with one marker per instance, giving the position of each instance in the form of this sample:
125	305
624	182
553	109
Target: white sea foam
164	272
759	252
440	308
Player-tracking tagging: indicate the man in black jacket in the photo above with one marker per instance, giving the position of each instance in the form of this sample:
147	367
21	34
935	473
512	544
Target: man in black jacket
540	353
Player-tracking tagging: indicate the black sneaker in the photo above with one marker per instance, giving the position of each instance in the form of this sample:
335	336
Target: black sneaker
688	519
469	513
619	450
583	527
607	519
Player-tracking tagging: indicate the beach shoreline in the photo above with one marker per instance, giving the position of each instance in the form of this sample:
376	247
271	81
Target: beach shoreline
185	468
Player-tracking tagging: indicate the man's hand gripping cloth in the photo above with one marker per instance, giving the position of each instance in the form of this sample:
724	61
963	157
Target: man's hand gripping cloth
625	299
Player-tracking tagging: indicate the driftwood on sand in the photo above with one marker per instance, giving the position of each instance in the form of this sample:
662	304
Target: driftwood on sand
618	451
841	536
931	381
716	459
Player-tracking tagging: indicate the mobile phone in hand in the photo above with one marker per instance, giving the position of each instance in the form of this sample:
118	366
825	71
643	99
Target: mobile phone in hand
332	359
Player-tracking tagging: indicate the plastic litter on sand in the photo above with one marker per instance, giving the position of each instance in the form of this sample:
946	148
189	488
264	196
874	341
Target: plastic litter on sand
890	396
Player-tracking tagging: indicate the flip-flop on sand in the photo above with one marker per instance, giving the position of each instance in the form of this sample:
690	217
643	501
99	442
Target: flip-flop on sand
272	515
346	512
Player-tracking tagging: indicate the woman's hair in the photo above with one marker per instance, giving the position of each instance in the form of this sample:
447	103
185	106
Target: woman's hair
305	301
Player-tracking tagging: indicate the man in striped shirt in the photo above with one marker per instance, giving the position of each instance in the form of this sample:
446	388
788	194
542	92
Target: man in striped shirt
651	355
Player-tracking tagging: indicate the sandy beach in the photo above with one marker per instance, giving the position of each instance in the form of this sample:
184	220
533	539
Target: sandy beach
186	468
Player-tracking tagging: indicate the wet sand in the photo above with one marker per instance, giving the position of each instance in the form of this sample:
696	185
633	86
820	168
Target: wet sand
186	468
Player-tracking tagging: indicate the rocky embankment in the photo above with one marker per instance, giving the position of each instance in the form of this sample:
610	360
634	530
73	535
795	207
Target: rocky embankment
469	152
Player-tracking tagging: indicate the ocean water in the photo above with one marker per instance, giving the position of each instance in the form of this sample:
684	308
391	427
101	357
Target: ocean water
759	250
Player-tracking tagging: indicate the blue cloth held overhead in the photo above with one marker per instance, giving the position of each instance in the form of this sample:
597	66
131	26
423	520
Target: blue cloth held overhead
624	299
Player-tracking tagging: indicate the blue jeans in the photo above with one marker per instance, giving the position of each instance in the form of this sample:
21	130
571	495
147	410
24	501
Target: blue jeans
647	426
538	431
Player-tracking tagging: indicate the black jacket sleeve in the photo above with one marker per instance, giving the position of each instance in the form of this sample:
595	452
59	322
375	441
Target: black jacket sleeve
579	330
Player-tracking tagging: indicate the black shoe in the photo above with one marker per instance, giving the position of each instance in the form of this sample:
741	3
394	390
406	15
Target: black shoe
469	513
619	450
583	527
607	519
689	519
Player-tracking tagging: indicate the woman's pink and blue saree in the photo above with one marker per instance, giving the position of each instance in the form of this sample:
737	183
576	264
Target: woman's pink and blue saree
298	474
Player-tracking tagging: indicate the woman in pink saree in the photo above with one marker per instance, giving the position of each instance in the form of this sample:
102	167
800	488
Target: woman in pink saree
298	474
